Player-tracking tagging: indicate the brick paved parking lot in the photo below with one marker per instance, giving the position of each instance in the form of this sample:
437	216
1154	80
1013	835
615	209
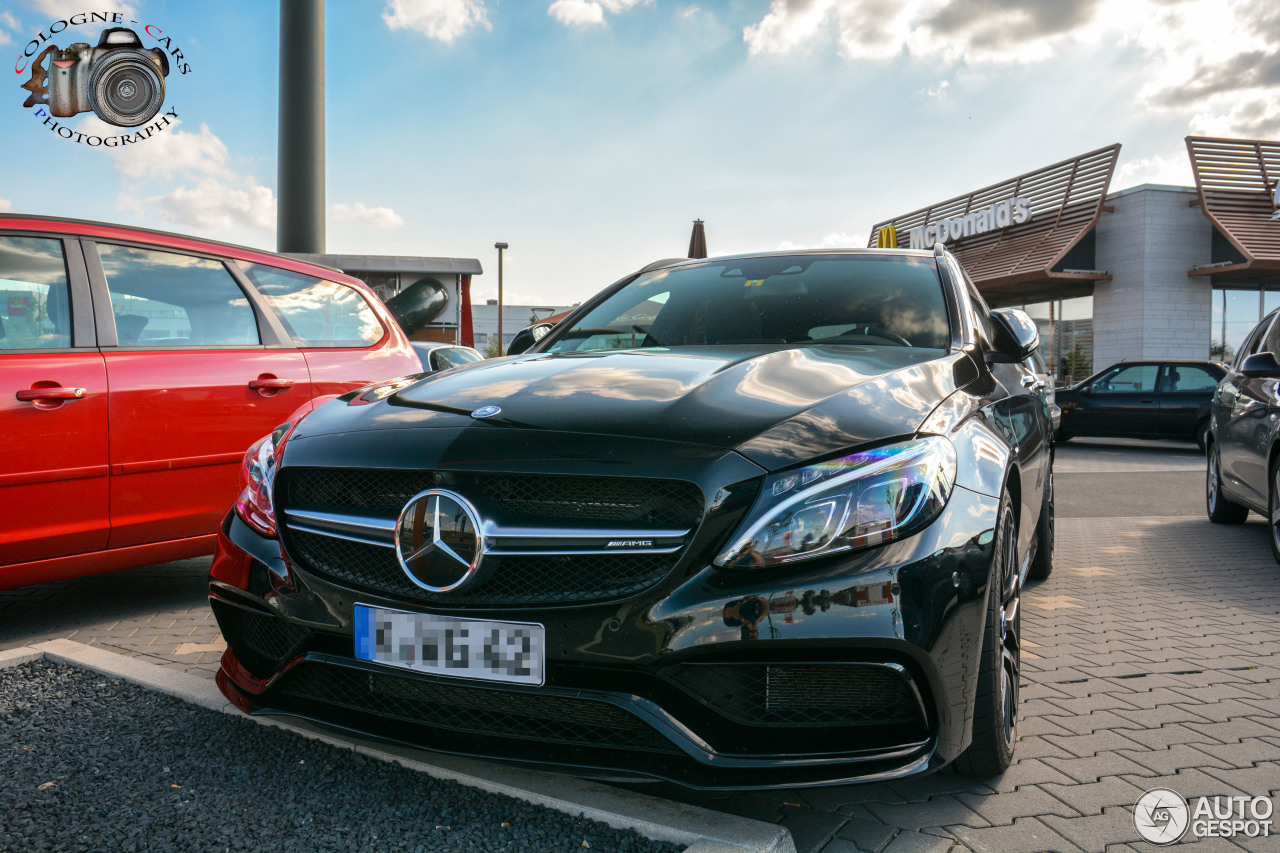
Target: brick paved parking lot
1151	659
158	612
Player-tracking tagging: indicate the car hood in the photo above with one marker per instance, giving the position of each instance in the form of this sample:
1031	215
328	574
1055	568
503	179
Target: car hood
774	406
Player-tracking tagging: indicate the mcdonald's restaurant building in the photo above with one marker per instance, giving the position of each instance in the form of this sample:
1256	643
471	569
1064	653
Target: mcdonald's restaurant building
1147	272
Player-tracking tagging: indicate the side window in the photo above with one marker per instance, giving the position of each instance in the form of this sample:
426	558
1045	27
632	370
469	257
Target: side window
35	312
317	313
1133	379
1254	340
1179	377
165	300
631	328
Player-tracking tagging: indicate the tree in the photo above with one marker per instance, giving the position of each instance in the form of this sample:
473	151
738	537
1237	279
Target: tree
492	347
1076	363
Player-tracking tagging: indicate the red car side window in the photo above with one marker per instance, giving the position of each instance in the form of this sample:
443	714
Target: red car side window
317	313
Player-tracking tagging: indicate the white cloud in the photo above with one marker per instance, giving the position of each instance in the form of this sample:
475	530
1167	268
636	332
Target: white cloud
837	240
443	20
1216	62
976	31
212	205
210	196
586	13
58	10
938	90
172	152
5	205
1240	114
1171	169
9	21
373	217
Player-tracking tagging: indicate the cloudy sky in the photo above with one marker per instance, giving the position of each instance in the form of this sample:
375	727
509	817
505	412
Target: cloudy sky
589	134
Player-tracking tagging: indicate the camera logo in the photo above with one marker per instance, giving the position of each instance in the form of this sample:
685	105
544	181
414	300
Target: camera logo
1161	816
121	81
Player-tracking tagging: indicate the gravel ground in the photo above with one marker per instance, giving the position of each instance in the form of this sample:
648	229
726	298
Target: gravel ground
91	763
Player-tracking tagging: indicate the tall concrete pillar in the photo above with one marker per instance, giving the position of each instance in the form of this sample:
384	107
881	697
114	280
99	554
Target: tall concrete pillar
300	160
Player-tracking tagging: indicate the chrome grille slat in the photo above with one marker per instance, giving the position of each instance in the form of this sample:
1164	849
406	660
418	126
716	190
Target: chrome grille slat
338	524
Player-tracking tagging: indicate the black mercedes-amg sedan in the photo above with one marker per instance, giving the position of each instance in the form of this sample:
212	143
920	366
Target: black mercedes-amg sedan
746	521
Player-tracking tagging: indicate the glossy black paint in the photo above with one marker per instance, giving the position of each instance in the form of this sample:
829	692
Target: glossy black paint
722	418
1245	428
1158	412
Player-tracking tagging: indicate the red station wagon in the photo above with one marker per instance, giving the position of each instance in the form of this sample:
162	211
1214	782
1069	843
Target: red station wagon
135	369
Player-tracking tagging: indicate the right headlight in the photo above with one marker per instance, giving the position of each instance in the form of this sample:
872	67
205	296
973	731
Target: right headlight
858	501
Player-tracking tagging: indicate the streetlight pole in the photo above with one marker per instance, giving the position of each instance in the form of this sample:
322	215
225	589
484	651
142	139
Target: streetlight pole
501	344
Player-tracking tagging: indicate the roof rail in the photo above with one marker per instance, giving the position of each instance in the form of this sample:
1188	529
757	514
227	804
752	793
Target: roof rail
665	262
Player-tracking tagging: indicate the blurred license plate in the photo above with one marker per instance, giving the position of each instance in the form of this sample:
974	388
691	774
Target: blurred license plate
443	645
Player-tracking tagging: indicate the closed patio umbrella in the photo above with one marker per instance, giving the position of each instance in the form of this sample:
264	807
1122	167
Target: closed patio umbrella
698	240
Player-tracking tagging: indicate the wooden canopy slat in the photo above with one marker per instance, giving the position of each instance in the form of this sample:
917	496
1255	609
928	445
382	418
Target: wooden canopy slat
1066	200
1236	181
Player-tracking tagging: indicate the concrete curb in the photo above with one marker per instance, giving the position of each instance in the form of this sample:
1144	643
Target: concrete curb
703	830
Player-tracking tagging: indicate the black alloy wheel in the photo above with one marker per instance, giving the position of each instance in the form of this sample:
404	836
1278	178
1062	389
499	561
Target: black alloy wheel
995	712
1221	510
1042	562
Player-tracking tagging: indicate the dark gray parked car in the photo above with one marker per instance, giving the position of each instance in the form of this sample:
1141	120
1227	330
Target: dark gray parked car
1244	435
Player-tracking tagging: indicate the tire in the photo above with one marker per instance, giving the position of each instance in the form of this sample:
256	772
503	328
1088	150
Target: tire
995	708
1273	505
1042	563
1201	434
1062	437
1220	510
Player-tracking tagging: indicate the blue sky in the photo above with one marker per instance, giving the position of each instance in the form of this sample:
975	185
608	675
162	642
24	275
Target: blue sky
588	134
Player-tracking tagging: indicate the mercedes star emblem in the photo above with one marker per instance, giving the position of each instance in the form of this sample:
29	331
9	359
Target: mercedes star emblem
486	412
438	540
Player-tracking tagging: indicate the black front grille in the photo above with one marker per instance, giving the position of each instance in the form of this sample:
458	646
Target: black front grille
262	641
620	500
519	500
510	580
819	694
472	710
523	499
372	491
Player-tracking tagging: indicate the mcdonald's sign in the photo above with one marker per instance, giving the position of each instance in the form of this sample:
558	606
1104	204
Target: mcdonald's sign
887	238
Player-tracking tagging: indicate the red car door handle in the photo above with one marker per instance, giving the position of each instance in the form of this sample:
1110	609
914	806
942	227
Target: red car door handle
276	384
50	394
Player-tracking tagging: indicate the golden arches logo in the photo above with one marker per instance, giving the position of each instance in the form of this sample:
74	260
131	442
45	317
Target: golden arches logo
887	237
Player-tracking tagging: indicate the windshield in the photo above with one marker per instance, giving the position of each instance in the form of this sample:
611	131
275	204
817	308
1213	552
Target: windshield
863	300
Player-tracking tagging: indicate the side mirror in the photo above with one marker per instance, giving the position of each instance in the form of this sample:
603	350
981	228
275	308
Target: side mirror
527	337
1087	390
1016	335
1261	365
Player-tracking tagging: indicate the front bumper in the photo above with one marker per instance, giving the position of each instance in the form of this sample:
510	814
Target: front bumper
850	669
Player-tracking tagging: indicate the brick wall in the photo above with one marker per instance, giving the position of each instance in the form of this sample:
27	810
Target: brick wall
1151	308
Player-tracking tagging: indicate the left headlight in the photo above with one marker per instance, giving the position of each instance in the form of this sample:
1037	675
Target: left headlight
257	476
858	501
